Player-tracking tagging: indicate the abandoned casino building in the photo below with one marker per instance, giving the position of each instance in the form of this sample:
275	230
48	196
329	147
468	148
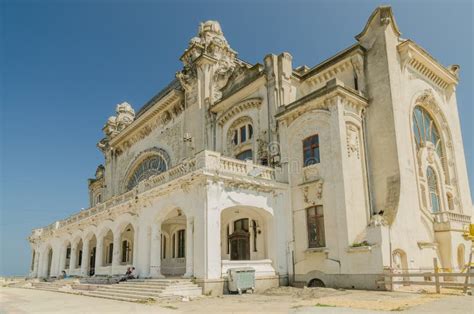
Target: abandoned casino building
332	174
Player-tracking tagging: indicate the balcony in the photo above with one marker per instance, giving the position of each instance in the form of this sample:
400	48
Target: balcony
451	221
206	163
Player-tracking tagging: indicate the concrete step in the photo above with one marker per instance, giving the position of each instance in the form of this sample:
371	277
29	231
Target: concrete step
131	288
143	285
183	293
131	293
112	297
118	294
44	289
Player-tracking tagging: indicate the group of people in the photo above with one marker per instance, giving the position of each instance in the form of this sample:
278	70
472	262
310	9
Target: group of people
131	273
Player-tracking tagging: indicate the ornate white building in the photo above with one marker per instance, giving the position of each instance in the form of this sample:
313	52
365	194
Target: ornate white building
334	174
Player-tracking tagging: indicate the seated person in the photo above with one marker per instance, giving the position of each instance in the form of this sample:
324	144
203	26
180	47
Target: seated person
63	275
127	274
133	274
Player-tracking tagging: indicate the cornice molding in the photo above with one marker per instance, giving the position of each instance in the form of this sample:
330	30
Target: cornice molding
238	108
415	57
160	113
322	99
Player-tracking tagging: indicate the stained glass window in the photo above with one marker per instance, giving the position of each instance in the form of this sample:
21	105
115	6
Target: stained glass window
311	150
245	155
433	188
425	130
149	167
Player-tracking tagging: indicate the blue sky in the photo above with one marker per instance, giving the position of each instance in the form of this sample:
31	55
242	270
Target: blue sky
64	65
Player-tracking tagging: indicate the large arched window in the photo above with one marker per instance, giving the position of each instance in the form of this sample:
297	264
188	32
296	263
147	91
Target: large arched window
433	188
425	130
150	166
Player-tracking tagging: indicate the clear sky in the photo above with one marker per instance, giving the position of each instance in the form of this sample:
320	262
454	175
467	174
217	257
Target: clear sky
64	65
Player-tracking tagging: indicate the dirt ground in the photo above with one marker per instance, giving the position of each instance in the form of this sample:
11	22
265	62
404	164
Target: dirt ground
278	300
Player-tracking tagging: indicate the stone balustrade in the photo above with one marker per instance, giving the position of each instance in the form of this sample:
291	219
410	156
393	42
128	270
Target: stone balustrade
207	161
448	216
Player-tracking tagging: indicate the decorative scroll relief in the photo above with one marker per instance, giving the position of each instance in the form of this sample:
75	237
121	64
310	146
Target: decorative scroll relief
352	139
313	193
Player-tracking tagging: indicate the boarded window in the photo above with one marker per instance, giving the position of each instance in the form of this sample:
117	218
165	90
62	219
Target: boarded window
315	224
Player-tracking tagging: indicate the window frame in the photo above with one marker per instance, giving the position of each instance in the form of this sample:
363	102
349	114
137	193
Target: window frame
311	149
247	151
311	243
181	243
432	181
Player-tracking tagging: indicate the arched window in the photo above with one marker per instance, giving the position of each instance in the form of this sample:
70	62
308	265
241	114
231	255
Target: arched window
245	155
425	130
433	188
151	166
240	136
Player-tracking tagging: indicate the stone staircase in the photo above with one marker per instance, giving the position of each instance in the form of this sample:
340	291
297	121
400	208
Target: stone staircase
51	285
145	289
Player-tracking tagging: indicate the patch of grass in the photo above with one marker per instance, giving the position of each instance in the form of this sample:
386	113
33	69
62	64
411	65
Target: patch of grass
146	301
398	309
296	306
360	244
324	305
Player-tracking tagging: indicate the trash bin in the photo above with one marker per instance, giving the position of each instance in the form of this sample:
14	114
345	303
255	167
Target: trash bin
241	279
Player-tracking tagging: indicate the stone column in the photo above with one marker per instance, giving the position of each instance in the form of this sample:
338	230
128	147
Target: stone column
40	265
189	247
99	253
85	259
73	260
62	259
155	251
116	255
35	263
135	247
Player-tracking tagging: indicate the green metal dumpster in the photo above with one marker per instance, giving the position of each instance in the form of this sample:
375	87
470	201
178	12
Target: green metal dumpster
241	279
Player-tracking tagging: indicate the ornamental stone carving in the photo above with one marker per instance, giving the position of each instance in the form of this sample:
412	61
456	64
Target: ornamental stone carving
313	192
352	137
116	124
220	60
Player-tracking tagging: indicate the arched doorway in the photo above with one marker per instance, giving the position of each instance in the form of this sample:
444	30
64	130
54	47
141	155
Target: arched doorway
78	254
91	256
107	248
246	234
126	245
239	240
400	263
67	257
461	257
173	244
248	240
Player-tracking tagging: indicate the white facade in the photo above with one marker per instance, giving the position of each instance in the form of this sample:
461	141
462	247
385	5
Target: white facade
324	173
